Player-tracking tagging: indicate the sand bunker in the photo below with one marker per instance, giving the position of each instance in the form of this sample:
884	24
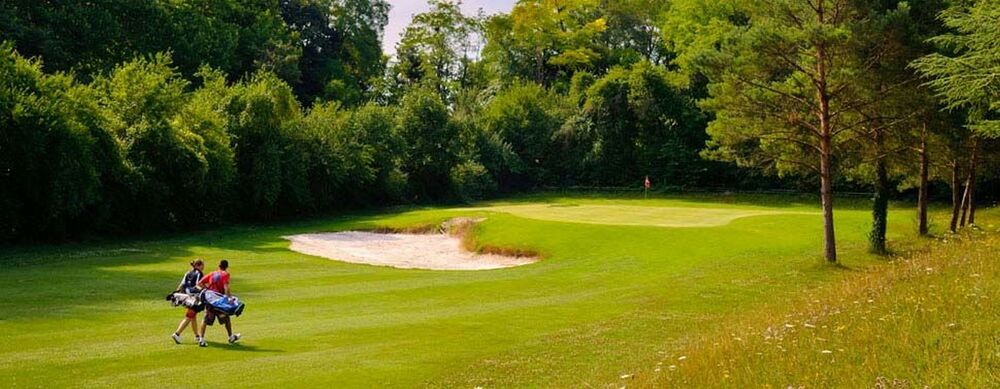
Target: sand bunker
404	251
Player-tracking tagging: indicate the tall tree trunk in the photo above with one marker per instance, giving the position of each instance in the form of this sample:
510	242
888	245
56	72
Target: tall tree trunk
973	166
880	208
964	207
826	176
922	197
825	145
956	197
826	198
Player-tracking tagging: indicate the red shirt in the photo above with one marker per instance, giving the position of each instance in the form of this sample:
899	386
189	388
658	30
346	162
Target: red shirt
216	281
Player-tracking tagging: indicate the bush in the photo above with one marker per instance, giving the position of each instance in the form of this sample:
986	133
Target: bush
372	127
640	124
204	115
524	117
471	181
51	146
263	113
395	185
143	103
332	163
432	142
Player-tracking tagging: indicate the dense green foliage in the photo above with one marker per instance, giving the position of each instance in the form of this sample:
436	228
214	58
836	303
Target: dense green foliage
236	36
525	116
341	47
639	122
54	156
157	115
432	142
821	89
966	75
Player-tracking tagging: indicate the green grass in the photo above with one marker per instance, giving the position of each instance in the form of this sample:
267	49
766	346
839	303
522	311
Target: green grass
606	301
928	320
633	215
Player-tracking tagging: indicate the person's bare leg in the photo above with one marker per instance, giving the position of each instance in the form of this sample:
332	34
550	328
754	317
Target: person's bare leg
184	324
194	327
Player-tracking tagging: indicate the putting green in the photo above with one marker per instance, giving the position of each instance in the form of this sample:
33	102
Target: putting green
630	215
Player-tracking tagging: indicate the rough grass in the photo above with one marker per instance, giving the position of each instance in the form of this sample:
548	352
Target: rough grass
607	301
928	319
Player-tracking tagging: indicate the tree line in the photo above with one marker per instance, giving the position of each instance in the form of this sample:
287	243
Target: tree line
158	115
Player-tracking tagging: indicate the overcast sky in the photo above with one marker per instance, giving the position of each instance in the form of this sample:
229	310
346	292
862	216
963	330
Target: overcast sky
403	10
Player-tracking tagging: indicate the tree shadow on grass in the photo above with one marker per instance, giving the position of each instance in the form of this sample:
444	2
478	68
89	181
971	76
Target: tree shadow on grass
74	279
839	266
59	282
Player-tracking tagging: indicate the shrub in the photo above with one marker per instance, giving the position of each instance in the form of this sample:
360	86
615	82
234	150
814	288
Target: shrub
373	130
51	145
262	114
524	117
167	159
471	181
432	142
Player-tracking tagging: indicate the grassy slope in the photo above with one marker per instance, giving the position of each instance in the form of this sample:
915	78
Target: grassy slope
607	301
930	319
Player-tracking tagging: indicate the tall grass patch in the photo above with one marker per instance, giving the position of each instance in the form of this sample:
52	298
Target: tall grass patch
930	318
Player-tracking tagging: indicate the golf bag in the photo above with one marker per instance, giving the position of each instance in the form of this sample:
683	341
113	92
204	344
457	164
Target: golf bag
231	306
186	300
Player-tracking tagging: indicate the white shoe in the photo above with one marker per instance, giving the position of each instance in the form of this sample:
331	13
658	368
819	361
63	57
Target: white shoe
234	338
202	343
176	338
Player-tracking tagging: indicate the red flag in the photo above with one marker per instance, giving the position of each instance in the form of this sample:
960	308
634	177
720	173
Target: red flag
647	184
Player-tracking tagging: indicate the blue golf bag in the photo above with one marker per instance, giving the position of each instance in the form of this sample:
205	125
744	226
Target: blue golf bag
231	306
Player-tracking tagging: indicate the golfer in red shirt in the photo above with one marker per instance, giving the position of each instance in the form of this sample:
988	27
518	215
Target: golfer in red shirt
217	281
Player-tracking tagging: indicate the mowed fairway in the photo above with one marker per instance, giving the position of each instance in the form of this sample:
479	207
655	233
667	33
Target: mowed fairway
622	282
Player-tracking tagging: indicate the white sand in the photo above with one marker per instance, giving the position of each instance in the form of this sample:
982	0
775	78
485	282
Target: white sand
404	251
